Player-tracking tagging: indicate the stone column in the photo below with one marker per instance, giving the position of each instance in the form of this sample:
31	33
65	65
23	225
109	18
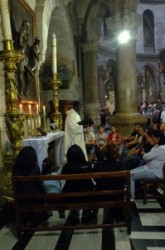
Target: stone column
126	95
124	18
91	97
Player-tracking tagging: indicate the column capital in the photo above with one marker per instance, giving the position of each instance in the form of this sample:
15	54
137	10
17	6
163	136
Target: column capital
90	46
123	16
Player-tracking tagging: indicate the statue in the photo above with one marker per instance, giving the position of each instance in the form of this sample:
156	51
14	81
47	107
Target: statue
32	64
27	68
21	40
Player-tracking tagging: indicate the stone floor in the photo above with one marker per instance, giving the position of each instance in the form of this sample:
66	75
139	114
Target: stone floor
148	233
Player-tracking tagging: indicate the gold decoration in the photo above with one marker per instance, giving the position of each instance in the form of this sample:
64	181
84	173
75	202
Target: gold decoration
13	118
56	116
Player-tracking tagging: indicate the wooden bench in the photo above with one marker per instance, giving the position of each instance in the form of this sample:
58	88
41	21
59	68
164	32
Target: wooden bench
147	183
94	200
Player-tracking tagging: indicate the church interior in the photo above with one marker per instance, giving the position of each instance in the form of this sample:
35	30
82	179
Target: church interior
55	52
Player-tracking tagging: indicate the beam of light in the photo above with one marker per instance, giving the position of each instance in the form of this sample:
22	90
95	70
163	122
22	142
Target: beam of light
124	36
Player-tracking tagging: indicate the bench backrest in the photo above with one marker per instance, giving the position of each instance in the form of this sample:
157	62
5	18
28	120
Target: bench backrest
74	200
125	175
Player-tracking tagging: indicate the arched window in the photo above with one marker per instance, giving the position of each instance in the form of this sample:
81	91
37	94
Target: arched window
107	32
148	28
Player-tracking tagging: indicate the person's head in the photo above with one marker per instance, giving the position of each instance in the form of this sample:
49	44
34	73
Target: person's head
26	162
47	166
87	129
111	151
137	127
77	106
100	129
75	155
157	136
113	129
162	127
141	131
155	126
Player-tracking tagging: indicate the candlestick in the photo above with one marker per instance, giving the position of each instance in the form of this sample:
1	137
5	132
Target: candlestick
30	109
44	112
54	55
5	19
20	107
37	109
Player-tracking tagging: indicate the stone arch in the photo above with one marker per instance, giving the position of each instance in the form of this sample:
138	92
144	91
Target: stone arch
95	14
59	23
149	83
43	15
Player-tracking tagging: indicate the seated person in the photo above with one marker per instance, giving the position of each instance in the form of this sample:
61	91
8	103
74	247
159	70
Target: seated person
26	164
90	142
114	136
51	186
154	161
131	143
110	163
101	141
77	164
134	157
101	138
133	136
162	127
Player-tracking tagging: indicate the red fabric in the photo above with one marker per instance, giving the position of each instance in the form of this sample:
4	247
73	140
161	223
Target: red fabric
111	138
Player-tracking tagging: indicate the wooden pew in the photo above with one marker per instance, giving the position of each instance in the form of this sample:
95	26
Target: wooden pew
94	200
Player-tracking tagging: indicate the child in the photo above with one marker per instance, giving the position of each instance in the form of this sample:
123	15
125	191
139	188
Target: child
52	186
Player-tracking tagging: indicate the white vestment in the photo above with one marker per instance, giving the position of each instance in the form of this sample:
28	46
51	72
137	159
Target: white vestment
74	133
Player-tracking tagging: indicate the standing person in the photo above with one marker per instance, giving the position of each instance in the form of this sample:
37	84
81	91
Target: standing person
74	133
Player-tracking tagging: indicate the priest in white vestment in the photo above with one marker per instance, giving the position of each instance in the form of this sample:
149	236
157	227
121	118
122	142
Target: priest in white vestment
74	133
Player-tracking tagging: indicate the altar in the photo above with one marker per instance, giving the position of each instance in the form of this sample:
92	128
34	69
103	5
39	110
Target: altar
42	143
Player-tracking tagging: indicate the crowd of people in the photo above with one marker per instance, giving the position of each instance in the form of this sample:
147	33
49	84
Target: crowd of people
86	150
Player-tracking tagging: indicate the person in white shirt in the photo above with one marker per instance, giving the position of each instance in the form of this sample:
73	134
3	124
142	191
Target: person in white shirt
74	133
154	159
90	142
162	116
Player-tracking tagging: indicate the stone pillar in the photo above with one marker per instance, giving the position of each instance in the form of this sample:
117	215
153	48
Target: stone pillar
126	95
126	89
91	97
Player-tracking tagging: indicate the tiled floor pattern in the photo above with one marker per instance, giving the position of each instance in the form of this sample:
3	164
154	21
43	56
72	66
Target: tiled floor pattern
148	233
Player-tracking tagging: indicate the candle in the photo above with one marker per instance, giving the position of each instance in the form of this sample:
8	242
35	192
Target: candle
5	20
37	109
44	110
20	107
30	109
54	55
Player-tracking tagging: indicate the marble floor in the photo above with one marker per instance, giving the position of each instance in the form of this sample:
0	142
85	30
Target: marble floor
148	233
